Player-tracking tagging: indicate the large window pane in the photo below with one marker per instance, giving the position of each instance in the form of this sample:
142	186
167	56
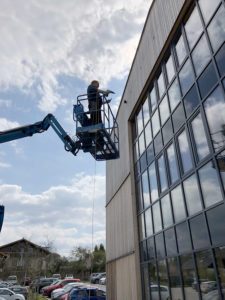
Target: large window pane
143	251
163	279
200	137
143	162
200	238
191	101
183	238
139	196
216	28
207	8
193	28
170	69
185	152
158	144
150	153
141	223
214	108
155	123
166	211
162	173
220	260
142	143
216	217
139	121
153	274
136	151
180	50
148	221
175	278
164	110
172	164
161	85
174	94
145	189
186	76
153	98
167	132
192	195
206	273
153	183
207	80
151	248
221	165
178	117
201	55
159	244
157	217
170	241
220	60
189	276
148	134
210	184
145	279
178	204
146	114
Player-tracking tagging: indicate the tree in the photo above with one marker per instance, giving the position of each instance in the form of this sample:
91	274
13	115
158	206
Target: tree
99	259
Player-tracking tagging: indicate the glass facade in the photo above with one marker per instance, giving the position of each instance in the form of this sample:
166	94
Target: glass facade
179	153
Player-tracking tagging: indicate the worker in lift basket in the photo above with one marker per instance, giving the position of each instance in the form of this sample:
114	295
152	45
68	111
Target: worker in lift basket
95	101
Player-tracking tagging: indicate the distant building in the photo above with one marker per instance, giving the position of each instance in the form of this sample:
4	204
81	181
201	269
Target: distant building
26	259
165	211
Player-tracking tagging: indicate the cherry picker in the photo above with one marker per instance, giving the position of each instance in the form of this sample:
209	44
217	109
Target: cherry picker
100	140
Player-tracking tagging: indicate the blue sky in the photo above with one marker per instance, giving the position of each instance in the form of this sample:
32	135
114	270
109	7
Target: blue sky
49	52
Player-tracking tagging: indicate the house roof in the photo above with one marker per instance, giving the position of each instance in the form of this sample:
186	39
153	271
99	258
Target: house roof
26	241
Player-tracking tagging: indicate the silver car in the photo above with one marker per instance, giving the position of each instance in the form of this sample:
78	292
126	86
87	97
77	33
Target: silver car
7	294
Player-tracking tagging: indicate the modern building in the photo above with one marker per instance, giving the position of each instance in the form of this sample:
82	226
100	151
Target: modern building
165	210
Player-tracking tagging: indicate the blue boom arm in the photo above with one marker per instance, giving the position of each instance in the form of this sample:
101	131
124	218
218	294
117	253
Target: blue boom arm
39	127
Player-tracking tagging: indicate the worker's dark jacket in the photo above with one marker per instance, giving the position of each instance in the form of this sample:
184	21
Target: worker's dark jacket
94	104
94	99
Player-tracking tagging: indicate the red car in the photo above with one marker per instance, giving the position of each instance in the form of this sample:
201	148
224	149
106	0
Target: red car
46	291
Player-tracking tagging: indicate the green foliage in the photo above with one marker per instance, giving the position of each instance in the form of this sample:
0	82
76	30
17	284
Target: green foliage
83	260
99	259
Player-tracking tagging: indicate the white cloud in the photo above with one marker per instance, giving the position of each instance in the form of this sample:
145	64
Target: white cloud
6	124
63	213
4	165
41	40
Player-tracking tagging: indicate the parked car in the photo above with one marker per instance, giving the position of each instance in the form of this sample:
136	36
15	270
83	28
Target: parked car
195	283
70	276
7	294
46	291
65	290
208	286
102	280
87	293
213	295
18	289
39	283
4	284
97	277
12	279
93	275
58	276
164	292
